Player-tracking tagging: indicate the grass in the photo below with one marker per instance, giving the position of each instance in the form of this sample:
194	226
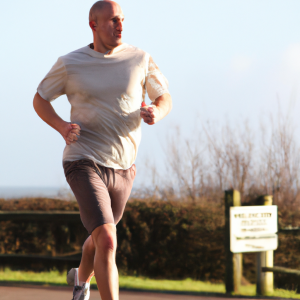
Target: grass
130	282
186	285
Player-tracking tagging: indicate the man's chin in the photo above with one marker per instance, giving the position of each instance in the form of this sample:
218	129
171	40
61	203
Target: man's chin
118	40
118	43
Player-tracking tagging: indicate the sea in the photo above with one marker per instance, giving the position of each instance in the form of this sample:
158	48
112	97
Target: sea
29	192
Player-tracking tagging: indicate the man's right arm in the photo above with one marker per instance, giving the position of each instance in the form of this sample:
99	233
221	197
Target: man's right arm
45	111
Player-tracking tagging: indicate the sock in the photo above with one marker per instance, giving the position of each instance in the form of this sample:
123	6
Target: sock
76	279
80	283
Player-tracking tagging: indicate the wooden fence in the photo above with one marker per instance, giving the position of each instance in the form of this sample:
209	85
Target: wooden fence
40	216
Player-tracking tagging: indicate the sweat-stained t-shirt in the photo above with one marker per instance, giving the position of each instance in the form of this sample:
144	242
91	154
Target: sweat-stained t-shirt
105	92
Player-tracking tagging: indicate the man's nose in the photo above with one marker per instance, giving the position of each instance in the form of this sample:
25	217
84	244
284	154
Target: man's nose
120	26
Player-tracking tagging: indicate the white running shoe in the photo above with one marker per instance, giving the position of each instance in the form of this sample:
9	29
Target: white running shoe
79	292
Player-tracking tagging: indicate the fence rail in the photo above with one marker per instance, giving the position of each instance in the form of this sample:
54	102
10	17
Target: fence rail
289	230
281	270
27	215
74	256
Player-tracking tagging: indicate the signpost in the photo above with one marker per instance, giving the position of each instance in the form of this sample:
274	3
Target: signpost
233	267
250	229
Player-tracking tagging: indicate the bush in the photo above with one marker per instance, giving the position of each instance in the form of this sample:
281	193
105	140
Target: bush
172	240
158	239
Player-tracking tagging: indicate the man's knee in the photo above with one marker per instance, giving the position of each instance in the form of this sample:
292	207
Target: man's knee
104	238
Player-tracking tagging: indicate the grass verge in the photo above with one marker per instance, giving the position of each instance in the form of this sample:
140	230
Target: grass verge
130	282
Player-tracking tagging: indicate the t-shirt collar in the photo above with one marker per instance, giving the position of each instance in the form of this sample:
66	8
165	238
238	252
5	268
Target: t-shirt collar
109	52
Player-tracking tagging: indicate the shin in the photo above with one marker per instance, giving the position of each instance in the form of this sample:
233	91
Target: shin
86	268
105	268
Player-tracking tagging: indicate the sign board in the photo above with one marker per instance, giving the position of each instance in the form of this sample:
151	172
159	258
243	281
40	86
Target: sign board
253	228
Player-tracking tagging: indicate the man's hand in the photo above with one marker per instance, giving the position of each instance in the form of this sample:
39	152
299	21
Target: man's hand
149	113
70	132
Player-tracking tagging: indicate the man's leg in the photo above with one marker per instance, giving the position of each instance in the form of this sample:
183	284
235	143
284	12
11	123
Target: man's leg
106	272
86	267
100	199
105	239
119	198
94	203
119	195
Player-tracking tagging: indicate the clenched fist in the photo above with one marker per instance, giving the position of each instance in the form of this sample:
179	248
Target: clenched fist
149	113
70	133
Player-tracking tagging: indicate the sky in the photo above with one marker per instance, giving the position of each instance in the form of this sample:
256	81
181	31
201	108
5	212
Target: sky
228	59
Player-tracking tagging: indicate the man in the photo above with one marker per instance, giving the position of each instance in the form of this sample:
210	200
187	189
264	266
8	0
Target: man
105	83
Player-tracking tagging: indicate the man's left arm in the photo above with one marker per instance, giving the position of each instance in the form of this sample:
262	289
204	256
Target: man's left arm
162	105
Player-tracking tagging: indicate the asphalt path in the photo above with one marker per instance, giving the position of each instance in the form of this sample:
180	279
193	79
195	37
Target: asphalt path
65	293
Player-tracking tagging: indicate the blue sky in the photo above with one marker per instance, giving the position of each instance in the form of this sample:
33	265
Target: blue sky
223	59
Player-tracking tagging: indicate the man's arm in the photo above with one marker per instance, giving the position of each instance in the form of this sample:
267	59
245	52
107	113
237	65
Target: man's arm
46	112
163	105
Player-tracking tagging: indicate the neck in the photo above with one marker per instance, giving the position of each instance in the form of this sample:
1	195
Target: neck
100	47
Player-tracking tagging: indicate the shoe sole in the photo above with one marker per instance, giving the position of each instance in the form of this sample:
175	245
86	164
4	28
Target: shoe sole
71	277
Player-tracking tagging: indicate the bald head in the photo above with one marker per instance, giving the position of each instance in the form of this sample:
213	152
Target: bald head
106	21
99	7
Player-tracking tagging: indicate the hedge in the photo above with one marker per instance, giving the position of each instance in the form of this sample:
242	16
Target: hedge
157	239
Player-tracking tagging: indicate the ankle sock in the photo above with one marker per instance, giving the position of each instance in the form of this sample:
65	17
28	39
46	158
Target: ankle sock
80	283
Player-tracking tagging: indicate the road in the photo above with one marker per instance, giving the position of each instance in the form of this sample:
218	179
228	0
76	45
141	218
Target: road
64	293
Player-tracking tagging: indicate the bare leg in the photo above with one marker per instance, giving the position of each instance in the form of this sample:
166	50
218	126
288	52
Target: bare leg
86	267
106	273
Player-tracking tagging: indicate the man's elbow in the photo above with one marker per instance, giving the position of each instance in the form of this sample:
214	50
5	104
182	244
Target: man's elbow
164	103
35	100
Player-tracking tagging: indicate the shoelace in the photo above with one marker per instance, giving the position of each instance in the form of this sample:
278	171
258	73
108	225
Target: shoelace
76	289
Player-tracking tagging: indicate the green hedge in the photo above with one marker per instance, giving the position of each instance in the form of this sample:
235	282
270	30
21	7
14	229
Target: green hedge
158	239
172	240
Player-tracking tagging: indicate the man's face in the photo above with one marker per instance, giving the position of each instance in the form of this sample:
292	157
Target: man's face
109	25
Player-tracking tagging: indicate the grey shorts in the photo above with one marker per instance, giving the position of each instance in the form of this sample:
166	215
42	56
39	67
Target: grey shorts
101	192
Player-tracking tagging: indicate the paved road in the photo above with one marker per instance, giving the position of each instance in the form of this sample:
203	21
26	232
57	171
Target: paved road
64	293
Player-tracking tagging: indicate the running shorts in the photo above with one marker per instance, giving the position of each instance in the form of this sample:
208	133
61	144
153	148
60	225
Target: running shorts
101	192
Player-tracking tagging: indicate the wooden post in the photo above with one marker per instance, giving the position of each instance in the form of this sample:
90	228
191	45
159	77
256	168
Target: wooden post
264	280
233	261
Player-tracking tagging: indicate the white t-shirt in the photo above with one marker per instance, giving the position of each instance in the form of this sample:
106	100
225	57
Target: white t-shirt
105	92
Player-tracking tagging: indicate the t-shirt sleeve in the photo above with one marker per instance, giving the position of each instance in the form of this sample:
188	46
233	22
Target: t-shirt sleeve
156	83
53	85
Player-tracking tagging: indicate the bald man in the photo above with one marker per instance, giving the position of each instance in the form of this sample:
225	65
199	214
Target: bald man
105	83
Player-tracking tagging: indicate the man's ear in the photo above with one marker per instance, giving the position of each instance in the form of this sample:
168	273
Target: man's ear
93	25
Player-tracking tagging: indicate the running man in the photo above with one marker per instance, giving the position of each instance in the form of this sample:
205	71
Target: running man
105	83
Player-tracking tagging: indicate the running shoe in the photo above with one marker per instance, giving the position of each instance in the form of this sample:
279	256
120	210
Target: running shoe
79	292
